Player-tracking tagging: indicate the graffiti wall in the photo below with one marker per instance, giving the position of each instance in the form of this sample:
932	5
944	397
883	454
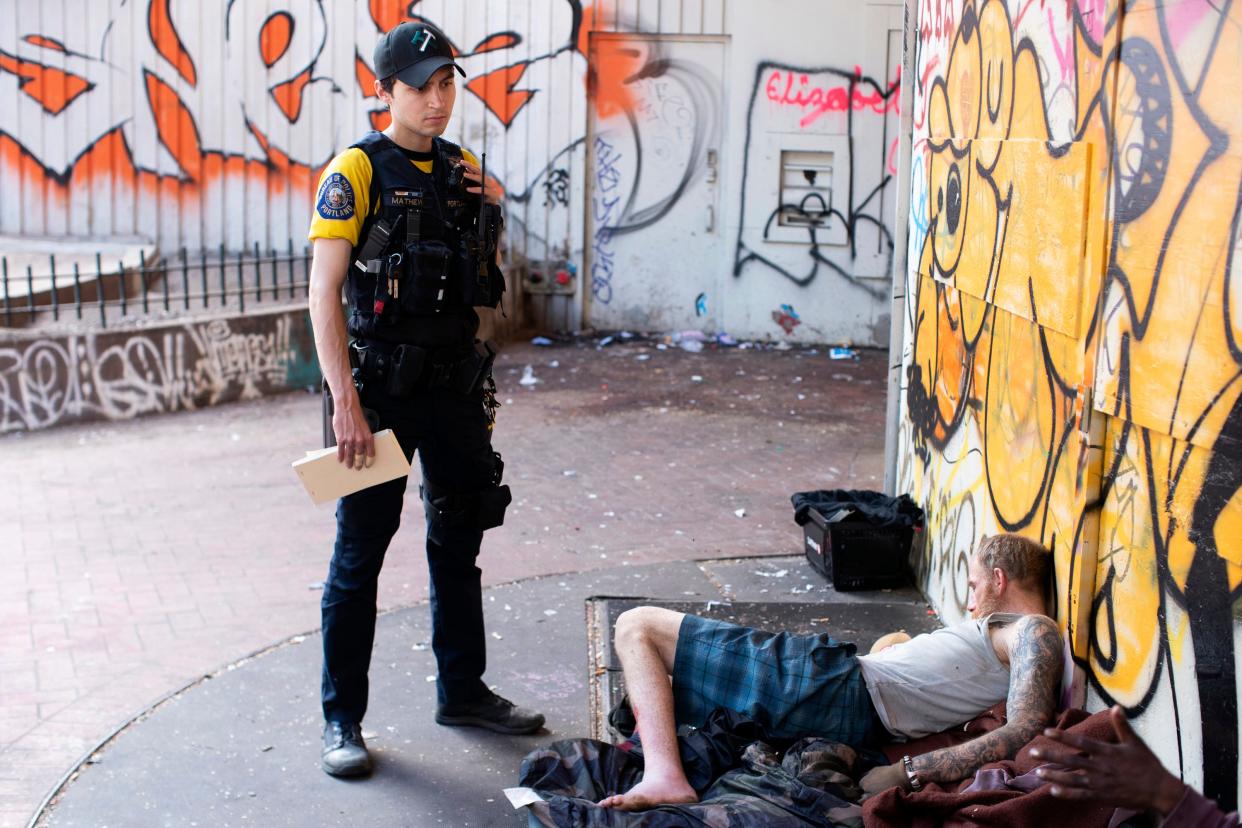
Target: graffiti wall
121	374
637	141
1070	361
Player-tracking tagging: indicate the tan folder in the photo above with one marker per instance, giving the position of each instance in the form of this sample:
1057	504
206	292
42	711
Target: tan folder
327	478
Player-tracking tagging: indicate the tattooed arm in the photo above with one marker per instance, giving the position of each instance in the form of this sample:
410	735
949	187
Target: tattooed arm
1034	678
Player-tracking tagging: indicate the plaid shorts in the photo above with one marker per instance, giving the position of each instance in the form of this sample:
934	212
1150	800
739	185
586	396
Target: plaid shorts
793	685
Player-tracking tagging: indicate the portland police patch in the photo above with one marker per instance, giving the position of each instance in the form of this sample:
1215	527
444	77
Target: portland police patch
336	198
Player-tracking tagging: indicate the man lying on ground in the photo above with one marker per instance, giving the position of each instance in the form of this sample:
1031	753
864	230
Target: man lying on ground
813	685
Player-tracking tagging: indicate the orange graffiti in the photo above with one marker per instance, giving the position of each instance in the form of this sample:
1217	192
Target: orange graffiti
176	126
612	61
45	42
275	37
496	90
389	13
381	120
288	95
278	160
366	78
500	40
53	88
168	42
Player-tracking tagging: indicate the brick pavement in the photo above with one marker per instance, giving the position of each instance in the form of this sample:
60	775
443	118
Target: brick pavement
144	554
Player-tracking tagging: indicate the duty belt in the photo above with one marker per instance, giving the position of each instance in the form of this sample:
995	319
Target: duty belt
401	370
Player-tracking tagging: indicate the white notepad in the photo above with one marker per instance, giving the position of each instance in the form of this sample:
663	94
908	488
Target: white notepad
327	478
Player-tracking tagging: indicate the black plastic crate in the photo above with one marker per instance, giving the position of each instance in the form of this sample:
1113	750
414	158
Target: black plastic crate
856	554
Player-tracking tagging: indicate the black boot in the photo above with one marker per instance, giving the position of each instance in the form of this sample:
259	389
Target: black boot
344	752
491	712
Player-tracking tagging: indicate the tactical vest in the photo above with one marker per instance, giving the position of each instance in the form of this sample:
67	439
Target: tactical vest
426	257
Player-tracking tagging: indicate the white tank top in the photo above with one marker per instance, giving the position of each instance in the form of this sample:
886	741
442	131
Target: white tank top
938	680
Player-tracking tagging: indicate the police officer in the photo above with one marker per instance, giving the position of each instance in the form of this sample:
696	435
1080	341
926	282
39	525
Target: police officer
405	220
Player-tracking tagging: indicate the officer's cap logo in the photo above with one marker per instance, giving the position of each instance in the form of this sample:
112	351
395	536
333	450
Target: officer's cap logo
422	39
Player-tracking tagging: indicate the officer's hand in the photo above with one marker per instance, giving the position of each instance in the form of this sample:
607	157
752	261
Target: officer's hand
493	192
355	446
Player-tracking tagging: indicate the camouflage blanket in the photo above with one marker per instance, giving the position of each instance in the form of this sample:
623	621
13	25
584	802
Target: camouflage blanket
811	784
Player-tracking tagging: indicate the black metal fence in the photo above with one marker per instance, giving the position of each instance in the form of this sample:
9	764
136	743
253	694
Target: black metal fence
187	282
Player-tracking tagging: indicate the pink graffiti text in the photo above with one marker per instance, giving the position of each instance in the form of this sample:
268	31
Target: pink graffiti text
795	89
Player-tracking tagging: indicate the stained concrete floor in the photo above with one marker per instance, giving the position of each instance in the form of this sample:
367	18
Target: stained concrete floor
241	748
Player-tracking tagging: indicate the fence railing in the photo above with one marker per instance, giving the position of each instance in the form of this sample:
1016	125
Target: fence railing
186	282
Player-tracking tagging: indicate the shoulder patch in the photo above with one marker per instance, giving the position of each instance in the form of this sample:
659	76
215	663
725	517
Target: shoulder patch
336	198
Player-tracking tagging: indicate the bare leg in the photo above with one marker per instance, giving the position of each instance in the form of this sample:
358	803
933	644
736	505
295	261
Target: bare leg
646	640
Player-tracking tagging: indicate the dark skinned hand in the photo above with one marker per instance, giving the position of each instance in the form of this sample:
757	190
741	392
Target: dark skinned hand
1125	774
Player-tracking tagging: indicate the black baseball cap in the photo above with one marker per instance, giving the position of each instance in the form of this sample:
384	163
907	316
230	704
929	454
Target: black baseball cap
412	52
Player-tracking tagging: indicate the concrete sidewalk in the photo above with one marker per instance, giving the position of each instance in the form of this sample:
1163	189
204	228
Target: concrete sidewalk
145	554
242	747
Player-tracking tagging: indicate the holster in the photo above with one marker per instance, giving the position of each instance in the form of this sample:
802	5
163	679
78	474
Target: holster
480	367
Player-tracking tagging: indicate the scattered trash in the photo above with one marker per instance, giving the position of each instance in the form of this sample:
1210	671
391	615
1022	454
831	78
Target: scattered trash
643	357
297	639
843	377
660	346
497	636
419	647
780	573
429	679
626	335
740	512
569	473
691	345
840	352
787	318
315	585
549	612
541	341
266	748
696	378
781	346
605	342
528	376
556	363
236	437
690	336
726	340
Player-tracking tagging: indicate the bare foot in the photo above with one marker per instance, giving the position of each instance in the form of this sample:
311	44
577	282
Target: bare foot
649	793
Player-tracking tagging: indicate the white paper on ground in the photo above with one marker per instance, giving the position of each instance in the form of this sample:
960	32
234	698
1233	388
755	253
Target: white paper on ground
521	797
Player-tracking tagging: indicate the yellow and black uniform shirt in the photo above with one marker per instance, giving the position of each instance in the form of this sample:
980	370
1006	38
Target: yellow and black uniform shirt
343	202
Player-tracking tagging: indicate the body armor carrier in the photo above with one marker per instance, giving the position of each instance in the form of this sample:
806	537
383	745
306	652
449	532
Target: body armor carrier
429	250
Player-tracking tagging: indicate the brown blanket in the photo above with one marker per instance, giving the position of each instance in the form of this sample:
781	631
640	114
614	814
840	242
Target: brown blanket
1001	794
